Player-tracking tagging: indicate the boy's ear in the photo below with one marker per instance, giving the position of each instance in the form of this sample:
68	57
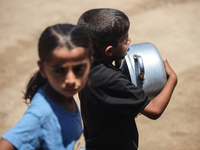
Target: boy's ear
108	51
41	68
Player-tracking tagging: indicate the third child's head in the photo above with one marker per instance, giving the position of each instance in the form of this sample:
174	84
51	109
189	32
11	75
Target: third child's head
108	29
65	57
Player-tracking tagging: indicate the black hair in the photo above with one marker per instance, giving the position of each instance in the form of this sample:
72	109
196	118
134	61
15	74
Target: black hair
105	27
58	35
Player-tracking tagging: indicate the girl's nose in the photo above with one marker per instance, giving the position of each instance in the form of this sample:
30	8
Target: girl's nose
70	78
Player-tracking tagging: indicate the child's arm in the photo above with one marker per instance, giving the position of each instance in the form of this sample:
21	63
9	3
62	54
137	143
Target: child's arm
5	145
157	106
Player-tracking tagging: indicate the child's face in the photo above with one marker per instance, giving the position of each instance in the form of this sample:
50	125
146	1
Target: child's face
120	51
67	70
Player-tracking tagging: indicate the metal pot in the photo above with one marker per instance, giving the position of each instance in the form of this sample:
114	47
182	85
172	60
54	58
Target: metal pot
144	67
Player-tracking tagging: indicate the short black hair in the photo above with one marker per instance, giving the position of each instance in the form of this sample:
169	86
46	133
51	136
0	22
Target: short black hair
105	27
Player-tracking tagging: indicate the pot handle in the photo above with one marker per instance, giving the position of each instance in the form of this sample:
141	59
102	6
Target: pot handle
138	58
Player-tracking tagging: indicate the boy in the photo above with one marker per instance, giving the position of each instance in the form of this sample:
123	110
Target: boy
109	102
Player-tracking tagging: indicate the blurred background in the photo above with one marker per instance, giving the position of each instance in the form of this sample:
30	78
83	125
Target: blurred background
173	26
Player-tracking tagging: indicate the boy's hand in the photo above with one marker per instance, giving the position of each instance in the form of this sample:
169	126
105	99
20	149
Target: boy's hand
157	106
170	72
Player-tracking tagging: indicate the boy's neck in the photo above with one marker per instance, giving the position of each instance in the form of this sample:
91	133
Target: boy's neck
104	61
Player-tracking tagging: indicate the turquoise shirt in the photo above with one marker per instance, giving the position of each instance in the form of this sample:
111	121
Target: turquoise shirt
45	125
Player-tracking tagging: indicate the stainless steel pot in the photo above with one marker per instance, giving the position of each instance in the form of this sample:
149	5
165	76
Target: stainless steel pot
144	67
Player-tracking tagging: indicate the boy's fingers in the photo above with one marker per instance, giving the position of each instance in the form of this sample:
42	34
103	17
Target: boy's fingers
165	61
167	66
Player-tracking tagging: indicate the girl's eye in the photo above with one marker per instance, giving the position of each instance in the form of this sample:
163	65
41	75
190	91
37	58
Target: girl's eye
79	69
59	71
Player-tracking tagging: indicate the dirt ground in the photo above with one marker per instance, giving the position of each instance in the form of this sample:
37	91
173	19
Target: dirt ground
173	26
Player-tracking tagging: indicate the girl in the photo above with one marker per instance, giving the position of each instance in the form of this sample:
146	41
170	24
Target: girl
53	121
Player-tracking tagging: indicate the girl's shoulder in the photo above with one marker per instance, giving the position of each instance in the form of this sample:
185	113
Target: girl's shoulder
40	107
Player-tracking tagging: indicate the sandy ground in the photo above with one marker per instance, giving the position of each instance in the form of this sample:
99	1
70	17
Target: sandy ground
171	25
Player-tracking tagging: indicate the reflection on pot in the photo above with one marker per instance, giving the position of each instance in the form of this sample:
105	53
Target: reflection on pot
144	67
